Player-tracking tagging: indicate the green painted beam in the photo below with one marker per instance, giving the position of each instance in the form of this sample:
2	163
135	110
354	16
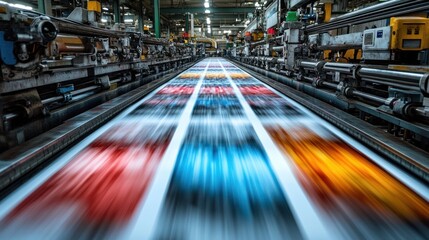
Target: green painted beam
156	18
44	7
201	10
187	23
41	6
116	11
212	16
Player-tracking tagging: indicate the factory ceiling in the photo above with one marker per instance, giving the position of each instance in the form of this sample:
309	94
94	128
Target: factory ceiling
221	12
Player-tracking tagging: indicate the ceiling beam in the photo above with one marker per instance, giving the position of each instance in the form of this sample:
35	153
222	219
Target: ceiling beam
211	16
201	10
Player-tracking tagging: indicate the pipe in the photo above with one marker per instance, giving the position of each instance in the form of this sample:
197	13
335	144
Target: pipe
377	7
330	85
421	111
374	13
392	84
340	67
369	96
304	87
258	42
388	75
73	93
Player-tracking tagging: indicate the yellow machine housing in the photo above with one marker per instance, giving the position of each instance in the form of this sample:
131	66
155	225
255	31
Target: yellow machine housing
94	6
409	33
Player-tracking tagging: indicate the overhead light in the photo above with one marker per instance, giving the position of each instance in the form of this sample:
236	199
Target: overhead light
206	4
105	9
183	29
256	4
103	20
17	5
208	20
128	18
209	30
207	11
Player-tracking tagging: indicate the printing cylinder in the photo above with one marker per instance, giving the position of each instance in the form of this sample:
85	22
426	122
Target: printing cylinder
345	68
389	75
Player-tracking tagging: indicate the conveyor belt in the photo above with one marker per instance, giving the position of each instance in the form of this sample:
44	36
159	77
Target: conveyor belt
216	154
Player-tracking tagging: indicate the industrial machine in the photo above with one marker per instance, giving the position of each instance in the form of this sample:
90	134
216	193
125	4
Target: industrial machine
372	63
312	123
52	63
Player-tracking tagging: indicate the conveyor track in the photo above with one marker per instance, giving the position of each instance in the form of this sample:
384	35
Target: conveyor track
216	154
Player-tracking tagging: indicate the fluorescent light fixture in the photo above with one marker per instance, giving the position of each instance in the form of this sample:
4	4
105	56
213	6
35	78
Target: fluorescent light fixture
105	9
256	4
17	5
103	20
209	30
207	11
128	20
206	4
183	29
208	20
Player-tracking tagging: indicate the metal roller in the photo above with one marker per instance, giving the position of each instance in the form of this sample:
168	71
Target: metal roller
345	68
390	74
316	66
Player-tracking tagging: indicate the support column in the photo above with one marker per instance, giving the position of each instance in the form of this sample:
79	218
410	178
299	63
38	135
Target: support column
140	17
192	26
187	23
328	12
41	6
116	11
156	18
279	14
45	7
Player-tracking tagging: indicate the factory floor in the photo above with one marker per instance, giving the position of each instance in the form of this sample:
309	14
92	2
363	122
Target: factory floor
217	154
